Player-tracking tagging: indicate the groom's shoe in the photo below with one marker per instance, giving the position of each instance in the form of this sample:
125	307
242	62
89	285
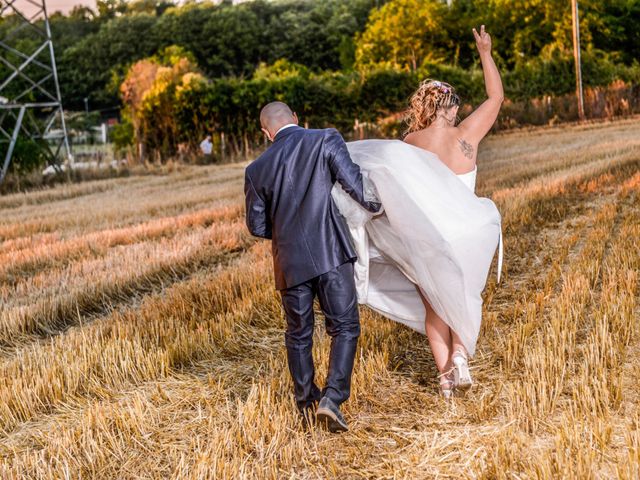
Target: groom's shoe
329	414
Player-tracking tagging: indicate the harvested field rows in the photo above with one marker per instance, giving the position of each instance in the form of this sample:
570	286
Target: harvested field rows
140	335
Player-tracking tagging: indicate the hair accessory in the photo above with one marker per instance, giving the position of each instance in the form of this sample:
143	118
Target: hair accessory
438	84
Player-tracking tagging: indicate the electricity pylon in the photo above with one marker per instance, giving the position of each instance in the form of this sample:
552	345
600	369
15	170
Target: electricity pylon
30	103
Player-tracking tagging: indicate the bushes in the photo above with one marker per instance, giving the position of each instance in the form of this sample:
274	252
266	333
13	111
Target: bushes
28	155
182	108
122	135
554	74
172	106
617	99
384	92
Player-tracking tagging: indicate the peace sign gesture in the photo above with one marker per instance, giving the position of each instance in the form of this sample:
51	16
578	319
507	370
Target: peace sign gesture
476	125
483	40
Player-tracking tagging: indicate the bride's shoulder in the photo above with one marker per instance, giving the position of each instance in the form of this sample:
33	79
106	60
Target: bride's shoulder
418	137
410	138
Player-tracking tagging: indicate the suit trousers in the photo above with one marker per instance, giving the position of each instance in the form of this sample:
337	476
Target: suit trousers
336	292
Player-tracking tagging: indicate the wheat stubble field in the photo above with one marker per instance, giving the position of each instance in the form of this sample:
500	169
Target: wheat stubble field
140	335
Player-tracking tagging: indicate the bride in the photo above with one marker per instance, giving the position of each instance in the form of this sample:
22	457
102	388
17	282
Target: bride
424	262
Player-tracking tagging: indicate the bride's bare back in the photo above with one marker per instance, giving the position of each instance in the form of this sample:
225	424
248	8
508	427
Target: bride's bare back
449	144
457	146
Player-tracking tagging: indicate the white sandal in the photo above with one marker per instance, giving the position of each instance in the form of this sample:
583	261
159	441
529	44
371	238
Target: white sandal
461	374
447	384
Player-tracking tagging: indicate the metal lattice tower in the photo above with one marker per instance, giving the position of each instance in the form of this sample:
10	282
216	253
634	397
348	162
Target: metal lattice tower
30	103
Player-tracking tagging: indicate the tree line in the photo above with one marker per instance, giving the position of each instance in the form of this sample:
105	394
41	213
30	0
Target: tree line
170	105
209	66
95	48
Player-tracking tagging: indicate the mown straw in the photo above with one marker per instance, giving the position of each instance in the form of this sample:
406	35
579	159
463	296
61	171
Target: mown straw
143	338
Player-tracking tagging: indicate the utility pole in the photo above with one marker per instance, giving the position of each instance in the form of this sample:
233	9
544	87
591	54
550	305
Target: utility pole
576	55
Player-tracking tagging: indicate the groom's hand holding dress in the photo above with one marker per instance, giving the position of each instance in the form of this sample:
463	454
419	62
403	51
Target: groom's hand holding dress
288	200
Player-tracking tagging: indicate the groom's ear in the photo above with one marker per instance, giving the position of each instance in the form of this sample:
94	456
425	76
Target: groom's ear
266	132
295	118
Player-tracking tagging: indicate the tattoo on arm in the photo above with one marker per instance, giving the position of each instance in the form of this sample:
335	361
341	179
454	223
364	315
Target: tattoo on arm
467	148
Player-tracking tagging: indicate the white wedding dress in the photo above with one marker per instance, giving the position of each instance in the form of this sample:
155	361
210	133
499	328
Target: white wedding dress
435	233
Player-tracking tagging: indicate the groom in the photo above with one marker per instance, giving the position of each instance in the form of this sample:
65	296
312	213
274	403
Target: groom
288	200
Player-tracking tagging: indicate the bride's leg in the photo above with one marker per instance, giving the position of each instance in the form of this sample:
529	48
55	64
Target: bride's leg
439	335
457	344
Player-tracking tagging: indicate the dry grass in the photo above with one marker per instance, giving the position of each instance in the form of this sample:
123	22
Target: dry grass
141	337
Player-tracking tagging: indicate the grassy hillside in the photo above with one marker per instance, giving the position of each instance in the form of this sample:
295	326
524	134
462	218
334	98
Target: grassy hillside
140	335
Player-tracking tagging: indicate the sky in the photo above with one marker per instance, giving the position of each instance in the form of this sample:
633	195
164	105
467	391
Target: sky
52	5
64	6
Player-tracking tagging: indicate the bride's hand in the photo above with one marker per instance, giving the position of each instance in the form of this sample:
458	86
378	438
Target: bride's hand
483	40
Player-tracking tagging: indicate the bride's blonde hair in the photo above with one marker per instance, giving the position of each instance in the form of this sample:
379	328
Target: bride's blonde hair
430	97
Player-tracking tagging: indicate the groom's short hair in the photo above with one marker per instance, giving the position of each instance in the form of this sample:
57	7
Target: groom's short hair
275	113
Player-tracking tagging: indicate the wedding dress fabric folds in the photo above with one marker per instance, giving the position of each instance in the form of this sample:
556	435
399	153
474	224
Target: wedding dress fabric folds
435	234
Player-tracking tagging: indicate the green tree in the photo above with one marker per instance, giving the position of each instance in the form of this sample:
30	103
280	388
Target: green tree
151	92
153	7
404	34
614	27
111	8
86	69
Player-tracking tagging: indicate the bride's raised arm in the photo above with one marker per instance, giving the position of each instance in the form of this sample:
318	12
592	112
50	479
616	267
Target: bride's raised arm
478	124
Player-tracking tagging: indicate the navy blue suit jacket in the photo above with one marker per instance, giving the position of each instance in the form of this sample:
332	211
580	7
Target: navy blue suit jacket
288	200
